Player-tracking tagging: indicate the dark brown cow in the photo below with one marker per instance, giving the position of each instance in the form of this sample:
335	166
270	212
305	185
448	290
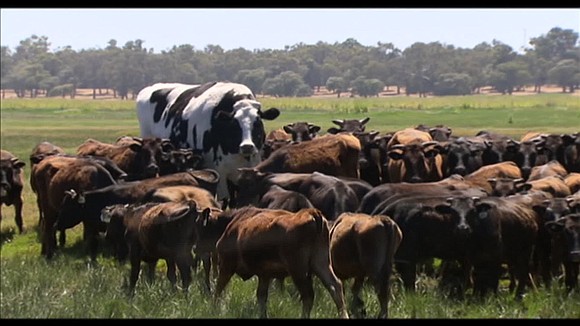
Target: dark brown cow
496	150
156	231
137	158
461	156
572	152
553	184
11	184
335	155
348	125
302	131
370	164
329	194
439	132
277	243
414	157
502	187
85	206
363	247
279	198
52	178
567	232
179	160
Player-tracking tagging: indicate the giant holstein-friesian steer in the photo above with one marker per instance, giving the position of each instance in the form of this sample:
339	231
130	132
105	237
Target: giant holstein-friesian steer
271	243
363	247
154	231
222	119
11	184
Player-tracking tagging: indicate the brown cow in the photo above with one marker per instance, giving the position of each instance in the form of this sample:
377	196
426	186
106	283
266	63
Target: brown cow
553	184
363	246
55	175
549	169
302	131
11	184
502	187
156	231
335	155
480	177
137	158
277	243
572	180
414	157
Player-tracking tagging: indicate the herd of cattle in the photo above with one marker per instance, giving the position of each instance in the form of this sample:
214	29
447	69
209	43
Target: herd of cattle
205	183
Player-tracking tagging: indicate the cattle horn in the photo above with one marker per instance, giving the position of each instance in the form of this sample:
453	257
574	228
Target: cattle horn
399	146
429	143
338	122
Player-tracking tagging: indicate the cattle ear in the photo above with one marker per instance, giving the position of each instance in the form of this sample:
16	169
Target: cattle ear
482	207
555	226
314	129
364	120
333	130
526	186
395	155
288	128
492	181
431	153
512	145
270	114
166	145
373	134
135	147
443	208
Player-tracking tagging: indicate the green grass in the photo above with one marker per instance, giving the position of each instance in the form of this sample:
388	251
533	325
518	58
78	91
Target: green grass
68	288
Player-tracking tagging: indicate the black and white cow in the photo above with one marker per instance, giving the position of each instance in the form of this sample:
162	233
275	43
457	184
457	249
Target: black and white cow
221	119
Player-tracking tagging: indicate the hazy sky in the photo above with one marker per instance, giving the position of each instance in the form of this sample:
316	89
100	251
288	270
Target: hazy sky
264	28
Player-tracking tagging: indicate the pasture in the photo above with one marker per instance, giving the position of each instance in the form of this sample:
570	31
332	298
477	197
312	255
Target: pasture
67	287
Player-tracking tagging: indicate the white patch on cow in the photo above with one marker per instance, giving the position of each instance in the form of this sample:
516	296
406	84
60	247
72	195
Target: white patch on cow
198	112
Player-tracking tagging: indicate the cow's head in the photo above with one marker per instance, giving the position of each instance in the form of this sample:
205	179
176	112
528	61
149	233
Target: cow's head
469	215
241	131
250	182
302	131
10	175
502	187
72	209
568	227
180	160
463	156
352	125
417	160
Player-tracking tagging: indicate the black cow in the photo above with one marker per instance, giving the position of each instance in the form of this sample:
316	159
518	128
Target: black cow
11	184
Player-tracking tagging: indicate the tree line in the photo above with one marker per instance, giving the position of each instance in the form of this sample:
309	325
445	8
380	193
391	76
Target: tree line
31	69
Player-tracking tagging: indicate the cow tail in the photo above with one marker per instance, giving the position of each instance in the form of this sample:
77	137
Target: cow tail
319	220
394	235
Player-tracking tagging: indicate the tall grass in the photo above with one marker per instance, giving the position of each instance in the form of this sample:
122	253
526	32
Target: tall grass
68	287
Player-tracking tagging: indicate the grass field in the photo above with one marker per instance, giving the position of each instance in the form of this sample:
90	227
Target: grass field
67	288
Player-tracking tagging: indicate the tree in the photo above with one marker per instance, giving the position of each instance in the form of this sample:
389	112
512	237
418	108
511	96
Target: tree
337	85
6	64
287	83
509	76
554	45
367	87
565	74
453	84
254	78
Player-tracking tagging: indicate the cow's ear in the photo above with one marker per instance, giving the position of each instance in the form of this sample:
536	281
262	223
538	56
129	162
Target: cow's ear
492	182
431	153
203	217
314	129
166	145
338	122
482	207
19	164
555	226
364	120
136	147
526	186
288	128
444	208
395	155
333	130
270	114
373	134
512	145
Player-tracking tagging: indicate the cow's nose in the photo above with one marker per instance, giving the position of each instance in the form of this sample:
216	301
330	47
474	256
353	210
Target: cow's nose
526	170
460	170
415	179
463	229
363	163
247	149
152	169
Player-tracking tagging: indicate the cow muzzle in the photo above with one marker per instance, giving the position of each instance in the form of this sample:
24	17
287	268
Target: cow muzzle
248	150
575	256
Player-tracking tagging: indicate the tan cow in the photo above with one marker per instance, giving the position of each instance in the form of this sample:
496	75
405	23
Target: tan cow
363	247
271	243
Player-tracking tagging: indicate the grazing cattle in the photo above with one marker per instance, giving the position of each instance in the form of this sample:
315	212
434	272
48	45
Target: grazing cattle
156	231
137	159
363	247
302	131
414	157
52	178
221	119
480	177
42	150
11	184
335	155
85	206
271	244
567	231
572	180
348	125
552	168
329	194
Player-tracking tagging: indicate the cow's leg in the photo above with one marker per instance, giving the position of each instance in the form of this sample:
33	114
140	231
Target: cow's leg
171	276
184	265
262	295
382	285
135	269
358	308
408	272
333	286
206	261
90	235
224	276
18	214
61	238
303	283
571	275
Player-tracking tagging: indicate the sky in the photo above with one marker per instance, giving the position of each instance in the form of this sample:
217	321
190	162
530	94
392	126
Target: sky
275	28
